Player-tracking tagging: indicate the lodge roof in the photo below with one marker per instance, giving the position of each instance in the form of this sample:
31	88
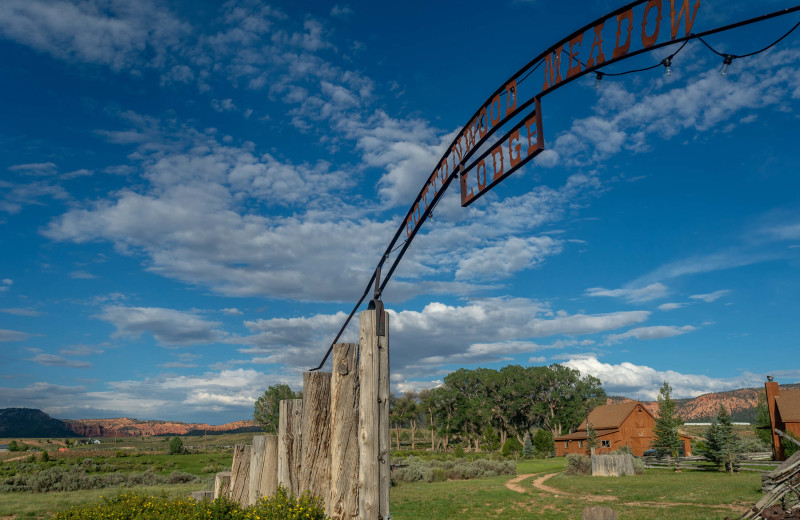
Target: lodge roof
610	416
788	403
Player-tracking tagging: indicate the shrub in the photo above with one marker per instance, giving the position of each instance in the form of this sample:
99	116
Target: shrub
638	466
459	451
175	446
45	457
415	469
578	465
511	447
128	506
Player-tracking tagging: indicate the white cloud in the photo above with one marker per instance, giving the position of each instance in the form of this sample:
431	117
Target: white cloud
711	297
632	293
232	311
13	335
115	33
705	102
341	11
81	275
670	306
643	382
507	257
35	169
52	360
654	332
31	313
81	350
167	326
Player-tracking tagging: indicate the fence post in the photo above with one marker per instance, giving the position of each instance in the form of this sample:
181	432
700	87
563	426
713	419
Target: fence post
263	467
290	444
342	502
240	474
384	440
373	466
315	467
343	499
222	484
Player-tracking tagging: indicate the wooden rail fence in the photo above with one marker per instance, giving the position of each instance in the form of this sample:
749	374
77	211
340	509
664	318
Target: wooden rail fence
333	443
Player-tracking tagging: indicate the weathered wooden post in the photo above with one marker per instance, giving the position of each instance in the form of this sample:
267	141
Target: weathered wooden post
222	484
290	444
342	503
240	474
263	467
373	372
315	466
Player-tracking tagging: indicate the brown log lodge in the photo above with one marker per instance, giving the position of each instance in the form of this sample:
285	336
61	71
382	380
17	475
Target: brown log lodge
616	425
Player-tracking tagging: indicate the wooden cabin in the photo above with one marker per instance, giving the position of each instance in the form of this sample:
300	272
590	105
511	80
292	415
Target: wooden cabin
616	425
784	415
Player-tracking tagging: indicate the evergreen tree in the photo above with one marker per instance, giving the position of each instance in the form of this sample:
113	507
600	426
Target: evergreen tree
591	438
527	447
666	440
723	443
543	444
762	426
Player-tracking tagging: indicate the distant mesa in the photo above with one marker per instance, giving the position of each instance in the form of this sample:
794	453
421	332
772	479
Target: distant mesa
29	422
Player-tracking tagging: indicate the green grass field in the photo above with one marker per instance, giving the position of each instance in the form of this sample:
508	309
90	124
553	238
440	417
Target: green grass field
658	494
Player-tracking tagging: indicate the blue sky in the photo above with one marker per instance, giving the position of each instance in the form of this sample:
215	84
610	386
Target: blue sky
194	194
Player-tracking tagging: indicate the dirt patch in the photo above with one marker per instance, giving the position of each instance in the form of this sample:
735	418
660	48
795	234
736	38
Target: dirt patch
513	484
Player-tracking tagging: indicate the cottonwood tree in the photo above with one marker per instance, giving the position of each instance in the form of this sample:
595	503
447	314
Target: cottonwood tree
666	440
267	408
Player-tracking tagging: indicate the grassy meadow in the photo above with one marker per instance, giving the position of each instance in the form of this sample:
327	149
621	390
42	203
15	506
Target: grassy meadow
661	494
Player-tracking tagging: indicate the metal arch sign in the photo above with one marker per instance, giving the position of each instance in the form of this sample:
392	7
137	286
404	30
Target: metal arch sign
480	161
576	55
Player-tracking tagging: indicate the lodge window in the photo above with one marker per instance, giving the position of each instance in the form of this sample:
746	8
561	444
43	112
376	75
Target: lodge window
605	444
566	444
580	444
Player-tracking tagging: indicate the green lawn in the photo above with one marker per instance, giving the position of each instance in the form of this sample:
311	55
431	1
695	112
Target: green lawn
658	494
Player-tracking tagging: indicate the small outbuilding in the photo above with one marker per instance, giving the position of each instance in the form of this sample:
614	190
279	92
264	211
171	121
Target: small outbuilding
784	415
616	425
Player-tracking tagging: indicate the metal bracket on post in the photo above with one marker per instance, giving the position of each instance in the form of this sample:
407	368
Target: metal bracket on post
377	305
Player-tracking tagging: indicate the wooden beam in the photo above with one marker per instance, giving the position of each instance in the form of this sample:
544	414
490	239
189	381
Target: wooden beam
342	502
290	444
315	467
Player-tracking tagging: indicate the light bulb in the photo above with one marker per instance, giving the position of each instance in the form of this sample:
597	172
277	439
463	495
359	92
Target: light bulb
726	65
597	80
667	63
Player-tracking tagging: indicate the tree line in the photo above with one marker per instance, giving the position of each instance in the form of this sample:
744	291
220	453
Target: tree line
475	407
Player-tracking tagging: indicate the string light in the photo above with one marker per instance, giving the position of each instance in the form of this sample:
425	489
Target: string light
597	80
726	65
667	63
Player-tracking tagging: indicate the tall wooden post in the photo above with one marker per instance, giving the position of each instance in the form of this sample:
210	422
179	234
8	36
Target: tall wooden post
342	502
263	467
315	467
290	444
373	470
